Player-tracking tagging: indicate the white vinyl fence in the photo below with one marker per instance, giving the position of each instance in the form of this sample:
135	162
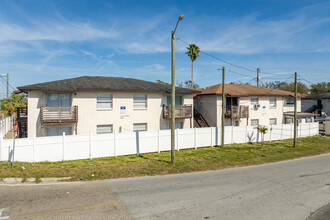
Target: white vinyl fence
6	125
75	147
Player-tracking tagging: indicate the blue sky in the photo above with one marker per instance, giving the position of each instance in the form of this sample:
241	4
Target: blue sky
50	40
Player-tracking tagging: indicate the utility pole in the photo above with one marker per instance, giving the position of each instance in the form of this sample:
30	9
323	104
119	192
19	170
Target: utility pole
223	109
295	112
173	92
258	76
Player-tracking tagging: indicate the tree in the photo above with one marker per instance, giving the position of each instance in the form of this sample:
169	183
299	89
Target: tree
10	105
262	130
162	82
321	87
187	84
193	53
301	87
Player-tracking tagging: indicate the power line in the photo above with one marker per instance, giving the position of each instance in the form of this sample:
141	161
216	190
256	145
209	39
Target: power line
5	83
306	80
219	58
254	78
240	73
232	64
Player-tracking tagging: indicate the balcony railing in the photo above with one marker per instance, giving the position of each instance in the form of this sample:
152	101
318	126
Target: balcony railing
237	112
59	115
21	113
181	111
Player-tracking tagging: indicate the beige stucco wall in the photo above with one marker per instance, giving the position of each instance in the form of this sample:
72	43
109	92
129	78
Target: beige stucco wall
265	112
207	106
210	108
89	116
36	99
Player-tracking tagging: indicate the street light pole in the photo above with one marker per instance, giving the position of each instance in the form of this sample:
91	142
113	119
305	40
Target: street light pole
173	92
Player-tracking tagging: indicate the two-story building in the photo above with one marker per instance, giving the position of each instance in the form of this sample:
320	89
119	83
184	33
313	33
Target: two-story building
102	105
246	105
318	103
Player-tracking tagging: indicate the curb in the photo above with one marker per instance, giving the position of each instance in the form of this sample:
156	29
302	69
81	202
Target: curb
33	180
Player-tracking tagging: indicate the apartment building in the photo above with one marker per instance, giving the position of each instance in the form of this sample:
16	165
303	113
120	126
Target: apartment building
247	105
103	105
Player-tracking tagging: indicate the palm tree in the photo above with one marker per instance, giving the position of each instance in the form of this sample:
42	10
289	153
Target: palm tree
262	130
193	53
10	105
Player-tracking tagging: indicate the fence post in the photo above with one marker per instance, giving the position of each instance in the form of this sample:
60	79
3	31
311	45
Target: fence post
158	144
211	136
177	139
137	142
281	131
1	148
246	133
63	145
309	129
270	133
232	134
90	145
34	147
114	144
195	139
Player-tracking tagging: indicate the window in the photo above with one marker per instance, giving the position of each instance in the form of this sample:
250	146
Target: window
231	101
103	129
228	123
272	102
104	101
58	131
58	100
140	101
254	101
178	125
178	100
140	127
272	121
254	122
290	101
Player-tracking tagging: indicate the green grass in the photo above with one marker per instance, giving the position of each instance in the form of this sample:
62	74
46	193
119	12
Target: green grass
191	160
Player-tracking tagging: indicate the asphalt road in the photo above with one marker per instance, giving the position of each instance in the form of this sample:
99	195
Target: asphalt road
297	189
285	190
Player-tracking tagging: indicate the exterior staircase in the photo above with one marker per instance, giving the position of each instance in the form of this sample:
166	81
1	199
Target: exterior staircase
314	108
200	119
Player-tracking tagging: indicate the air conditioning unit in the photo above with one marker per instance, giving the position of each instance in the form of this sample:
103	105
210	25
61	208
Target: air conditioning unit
256	106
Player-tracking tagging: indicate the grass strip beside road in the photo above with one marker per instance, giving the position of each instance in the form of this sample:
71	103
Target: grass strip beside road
190	160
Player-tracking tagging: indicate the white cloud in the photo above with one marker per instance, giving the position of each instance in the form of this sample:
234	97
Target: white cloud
62	31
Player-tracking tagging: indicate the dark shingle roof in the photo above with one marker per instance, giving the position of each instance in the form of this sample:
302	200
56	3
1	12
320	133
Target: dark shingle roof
319	96
101	83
